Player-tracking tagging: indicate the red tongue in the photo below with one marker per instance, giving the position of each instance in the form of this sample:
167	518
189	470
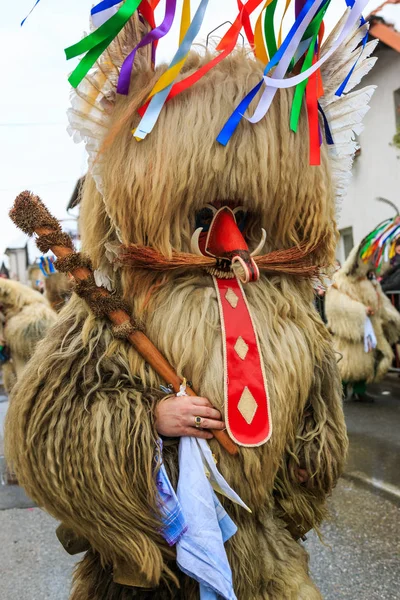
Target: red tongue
224	236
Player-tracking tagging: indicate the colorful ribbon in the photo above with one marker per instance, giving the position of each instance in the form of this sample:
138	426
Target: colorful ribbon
282	60
32	9
161	90
153	35
342	87
308	61
226	46
260	48
185	20
379	245
97	42
103	11
303	43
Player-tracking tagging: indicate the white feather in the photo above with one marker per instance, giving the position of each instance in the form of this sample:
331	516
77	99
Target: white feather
346	113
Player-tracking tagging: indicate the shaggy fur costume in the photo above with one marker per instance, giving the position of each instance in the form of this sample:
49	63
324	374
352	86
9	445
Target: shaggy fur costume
27	317
80	431
346	305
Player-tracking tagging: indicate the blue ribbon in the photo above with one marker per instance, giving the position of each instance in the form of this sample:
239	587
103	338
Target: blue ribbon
328	133
104	5
342	87
32	9
234	120
157	102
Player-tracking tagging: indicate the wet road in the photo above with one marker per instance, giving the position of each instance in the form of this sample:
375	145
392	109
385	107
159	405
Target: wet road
361	558
374	433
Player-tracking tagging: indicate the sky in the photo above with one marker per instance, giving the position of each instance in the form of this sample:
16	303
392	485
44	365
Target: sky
36	152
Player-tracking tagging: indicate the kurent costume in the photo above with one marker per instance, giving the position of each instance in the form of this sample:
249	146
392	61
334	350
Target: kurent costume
212	246
347	301
26	318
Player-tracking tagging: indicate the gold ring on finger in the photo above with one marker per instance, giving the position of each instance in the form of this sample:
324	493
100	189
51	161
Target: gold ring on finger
197	422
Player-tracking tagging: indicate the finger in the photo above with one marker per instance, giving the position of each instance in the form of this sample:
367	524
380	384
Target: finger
199	433
302	475
208	424
206	412
200	401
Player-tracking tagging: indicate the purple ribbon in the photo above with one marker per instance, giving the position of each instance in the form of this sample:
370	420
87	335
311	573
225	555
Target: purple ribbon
151	37
299	7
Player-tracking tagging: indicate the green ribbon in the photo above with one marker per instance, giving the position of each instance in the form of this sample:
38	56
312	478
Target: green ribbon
269	28
97	42
370	237
312	29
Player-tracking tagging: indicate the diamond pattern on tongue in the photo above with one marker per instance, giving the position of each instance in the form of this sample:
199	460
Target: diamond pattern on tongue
247	405
241	348
232	298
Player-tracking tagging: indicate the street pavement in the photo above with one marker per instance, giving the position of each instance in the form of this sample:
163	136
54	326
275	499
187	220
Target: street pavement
358	558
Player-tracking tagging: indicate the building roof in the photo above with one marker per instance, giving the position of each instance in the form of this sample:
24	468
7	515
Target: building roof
385	23
18	243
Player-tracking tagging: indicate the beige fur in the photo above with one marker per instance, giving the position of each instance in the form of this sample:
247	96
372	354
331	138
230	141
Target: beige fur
80	432
346	305
27	317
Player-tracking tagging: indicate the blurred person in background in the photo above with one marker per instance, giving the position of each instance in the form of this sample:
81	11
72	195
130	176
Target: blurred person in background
364	326
320	292
25	318
391	279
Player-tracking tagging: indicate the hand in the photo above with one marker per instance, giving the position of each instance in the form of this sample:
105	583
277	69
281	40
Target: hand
370	311
175	417
302	475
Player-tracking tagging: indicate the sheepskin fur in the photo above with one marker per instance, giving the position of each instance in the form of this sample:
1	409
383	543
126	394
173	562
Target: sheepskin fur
346	305
27	317
80	431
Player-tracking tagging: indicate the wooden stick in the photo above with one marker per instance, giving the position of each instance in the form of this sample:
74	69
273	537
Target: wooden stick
32	216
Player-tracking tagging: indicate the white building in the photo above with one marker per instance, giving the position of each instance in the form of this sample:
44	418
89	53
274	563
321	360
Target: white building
376	171
18	259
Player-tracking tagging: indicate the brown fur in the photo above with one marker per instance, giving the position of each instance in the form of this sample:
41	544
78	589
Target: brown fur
80	432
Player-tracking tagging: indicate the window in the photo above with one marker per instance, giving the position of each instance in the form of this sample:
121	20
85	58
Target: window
397	107
347	241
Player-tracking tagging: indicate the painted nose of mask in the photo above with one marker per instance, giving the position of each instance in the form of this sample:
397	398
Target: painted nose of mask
224	240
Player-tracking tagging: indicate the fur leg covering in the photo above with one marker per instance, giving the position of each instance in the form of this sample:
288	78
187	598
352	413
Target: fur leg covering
93	582
267	563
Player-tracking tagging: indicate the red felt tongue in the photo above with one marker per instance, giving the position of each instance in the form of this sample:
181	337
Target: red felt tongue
224	236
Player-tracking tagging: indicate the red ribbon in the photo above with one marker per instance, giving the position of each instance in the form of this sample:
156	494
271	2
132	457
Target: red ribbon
226	45
313	123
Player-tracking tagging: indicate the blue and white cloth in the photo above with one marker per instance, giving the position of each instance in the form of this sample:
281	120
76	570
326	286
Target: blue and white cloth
174	522
370	341
196	521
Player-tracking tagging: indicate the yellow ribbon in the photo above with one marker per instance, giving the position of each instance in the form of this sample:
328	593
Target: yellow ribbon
185	20
169	76
260	49
283	17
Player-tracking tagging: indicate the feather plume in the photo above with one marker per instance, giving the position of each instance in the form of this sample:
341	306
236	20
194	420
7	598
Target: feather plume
345	113
93	101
